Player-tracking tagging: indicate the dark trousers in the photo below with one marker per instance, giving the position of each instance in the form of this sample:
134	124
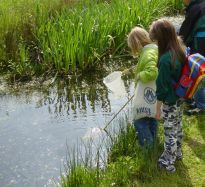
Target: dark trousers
198	46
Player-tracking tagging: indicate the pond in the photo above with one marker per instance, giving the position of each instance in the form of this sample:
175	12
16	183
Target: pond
38	125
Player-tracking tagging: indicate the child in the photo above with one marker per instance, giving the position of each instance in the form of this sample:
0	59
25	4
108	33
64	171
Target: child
171	58
146	70
192	32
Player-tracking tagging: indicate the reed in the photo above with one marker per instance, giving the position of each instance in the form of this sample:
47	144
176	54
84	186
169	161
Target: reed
67	35
79	37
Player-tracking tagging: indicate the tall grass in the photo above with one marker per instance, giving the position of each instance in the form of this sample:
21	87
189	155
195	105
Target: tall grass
79	37
64	35
18	21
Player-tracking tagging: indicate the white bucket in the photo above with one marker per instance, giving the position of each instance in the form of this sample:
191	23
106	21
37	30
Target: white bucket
115	84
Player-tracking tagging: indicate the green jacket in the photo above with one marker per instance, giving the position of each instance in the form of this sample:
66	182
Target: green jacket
146	69
167	74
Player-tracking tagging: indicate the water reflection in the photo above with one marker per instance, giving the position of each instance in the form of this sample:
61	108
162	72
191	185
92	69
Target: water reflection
76	96
38	122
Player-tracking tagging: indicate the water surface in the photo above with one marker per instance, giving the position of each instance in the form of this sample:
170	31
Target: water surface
39	124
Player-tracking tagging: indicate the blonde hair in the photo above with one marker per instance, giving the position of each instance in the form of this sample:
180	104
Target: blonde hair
137	39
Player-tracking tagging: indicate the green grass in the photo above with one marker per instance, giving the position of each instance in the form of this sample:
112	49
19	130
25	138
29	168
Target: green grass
19	53
65	35
80	37
129	165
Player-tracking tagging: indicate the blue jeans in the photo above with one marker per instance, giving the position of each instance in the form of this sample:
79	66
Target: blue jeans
147	130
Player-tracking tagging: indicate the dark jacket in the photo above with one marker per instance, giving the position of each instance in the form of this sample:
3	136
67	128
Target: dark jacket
193	27
167	73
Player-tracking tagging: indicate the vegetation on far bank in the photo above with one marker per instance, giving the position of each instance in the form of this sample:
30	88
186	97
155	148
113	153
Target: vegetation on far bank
40	37
129	165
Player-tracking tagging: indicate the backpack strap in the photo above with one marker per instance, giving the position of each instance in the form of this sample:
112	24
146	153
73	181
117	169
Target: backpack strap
192	69
200	35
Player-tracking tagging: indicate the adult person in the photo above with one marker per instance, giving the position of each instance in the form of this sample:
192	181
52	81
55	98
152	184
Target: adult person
192	32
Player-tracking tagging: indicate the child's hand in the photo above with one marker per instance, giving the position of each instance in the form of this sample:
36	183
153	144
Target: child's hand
125	72
158	110
128	71
158	115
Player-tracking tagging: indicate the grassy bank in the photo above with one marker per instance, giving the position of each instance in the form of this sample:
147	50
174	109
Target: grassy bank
64	35
128	165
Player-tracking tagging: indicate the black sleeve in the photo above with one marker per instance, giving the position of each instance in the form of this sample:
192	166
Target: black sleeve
191	18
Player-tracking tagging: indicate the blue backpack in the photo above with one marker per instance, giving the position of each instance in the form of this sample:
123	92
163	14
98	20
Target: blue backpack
191	83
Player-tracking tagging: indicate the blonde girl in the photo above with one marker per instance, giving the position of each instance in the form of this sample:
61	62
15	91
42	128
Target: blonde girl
146	70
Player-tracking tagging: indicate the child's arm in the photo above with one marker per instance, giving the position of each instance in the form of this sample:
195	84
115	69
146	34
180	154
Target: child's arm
128	71
150	70
158	110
